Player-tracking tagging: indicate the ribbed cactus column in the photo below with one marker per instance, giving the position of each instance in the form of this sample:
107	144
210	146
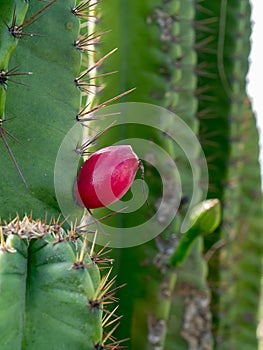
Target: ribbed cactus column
141	63
241	256
214	115
156	54
229	137
47	289
191	290
51	295
44	107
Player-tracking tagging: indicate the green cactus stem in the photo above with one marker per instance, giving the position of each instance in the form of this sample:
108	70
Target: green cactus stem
227	146
241	255
41	110
206	217
163	74
49	283
47	288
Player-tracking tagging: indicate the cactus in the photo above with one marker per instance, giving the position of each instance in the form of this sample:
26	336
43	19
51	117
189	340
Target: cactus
46	289
188	56
50	285
169	87
242	235
40	101
201	77
228	149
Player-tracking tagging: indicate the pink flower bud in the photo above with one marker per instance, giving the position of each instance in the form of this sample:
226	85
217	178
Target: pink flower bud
106	176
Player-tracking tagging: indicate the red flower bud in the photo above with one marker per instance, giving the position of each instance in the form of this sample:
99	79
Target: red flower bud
106	176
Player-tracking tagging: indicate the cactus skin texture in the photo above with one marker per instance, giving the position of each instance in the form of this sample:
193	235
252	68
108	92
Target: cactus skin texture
46	290
41	110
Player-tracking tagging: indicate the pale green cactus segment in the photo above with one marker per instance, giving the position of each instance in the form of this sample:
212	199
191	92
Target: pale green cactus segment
184	101
45	297
178	34
186	62
43	110
206	217
191	291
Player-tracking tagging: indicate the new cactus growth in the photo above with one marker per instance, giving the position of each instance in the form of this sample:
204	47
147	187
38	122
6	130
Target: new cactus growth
206	217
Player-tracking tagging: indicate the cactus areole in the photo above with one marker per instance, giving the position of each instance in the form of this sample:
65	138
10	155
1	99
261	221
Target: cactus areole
106	176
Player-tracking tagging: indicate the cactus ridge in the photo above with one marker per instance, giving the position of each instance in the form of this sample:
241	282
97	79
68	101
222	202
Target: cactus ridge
229	150
61	288
241	235
213	114
24	52
57	66
182	98
50	291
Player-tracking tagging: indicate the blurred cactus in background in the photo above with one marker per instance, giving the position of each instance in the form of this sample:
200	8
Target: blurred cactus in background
197	284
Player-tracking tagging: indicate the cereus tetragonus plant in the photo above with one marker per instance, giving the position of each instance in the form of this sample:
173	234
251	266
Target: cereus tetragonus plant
191	272
52	294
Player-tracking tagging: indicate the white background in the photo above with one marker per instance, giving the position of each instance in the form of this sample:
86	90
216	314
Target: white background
255	76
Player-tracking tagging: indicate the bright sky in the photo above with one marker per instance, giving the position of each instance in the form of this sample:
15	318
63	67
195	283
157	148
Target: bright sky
255	90
255	76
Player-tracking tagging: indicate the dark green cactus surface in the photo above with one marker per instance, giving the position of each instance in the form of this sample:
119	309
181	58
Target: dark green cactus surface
51	293
43	108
